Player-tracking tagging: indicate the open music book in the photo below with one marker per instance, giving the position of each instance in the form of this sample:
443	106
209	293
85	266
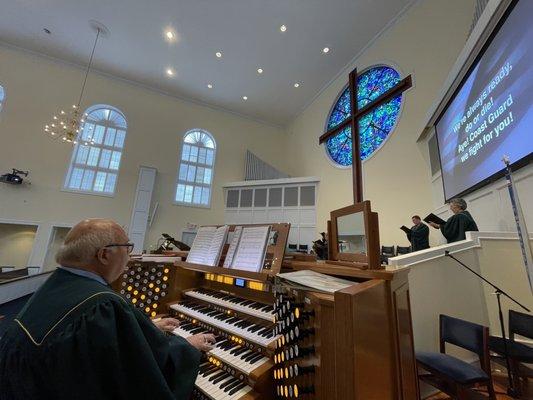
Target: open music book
251	249
314	280
208	244
234	243
405	229
433	218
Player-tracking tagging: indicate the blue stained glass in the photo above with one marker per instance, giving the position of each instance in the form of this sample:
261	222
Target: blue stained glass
375	126
339	147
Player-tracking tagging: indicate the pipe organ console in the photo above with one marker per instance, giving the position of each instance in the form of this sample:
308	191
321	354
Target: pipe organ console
275	340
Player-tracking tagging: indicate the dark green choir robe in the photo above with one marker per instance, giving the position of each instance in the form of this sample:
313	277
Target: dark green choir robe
419	237
454	229
77	339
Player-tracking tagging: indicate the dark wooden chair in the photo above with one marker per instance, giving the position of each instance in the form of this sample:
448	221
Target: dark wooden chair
451	375
386	253
519	354
403	250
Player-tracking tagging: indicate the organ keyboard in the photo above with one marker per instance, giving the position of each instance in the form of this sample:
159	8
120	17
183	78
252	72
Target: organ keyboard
275	340
238	308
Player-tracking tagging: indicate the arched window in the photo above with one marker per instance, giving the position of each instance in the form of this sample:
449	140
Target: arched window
374	127
195	173
2	97
96	156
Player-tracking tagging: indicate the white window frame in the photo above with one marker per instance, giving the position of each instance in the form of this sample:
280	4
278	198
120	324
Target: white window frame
196	165
102	146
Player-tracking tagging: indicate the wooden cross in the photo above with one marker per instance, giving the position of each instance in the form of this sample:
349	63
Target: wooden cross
353	122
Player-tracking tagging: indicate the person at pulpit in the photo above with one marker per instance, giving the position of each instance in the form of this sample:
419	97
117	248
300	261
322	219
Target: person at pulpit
418	235
78	339
458	224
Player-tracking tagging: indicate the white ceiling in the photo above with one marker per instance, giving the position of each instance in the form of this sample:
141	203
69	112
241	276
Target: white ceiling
245	31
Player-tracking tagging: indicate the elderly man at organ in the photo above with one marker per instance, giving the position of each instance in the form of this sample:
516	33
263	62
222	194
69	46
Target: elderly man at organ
77	339
240	171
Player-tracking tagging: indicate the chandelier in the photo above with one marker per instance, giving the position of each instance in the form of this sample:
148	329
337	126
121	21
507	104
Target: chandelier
67	123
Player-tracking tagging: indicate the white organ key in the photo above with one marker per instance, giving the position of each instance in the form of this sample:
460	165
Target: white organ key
226	355
214	298
263	340
223	389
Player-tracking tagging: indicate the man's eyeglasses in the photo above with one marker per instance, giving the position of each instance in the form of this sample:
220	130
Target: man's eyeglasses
129	246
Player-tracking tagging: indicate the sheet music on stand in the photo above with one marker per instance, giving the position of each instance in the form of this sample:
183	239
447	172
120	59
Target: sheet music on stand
251	251
207	246
234	244
314	280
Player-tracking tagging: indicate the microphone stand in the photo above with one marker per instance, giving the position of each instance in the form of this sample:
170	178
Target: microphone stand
498	292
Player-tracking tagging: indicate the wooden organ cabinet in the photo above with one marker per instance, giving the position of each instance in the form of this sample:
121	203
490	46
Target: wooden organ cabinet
277	340
353	344
237	306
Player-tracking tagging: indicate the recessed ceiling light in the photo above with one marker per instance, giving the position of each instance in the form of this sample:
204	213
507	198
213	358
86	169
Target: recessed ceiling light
325	50
296	85
218	54
259	70
209	86
170	72
170	35
245	98
283	28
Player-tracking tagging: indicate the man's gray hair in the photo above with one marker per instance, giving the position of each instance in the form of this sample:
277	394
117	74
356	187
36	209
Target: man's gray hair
83	249
460	202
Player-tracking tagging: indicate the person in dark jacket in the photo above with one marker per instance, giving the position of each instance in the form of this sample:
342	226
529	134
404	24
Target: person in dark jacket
460	222
418	235
76	339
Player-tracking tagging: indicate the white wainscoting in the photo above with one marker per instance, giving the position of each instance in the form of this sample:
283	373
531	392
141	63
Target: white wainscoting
299	210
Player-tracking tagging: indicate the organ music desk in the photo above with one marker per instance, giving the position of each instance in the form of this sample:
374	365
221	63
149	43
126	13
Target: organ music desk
283	342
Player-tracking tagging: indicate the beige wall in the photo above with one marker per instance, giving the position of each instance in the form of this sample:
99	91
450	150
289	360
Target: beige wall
36	87
16	243
425	43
